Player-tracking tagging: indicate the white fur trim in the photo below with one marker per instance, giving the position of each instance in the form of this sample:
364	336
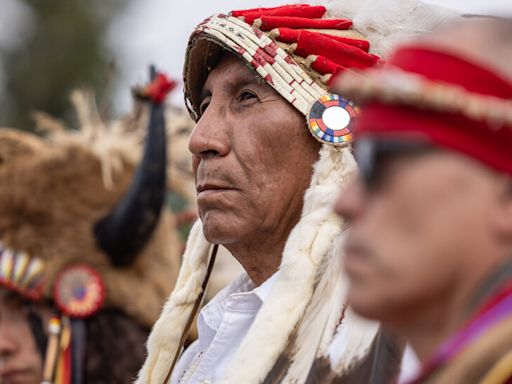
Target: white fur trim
321	323
166	334
309	243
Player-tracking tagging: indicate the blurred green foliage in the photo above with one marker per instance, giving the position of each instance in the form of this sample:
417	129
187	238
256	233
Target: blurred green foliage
65	50
178	204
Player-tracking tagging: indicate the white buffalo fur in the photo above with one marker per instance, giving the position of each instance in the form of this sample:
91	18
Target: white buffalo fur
308	245
166	334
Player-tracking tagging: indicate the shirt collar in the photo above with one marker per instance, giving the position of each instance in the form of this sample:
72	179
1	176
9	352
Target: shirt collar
263	290
211	315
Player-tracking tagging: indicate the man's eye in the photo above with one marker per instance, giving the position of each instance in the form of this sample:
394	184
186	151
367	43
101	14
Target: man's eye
203	107
246	96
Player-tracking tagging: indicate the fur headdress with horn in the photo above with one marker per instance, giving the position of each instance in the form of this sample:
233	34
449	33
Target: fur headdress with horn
70	198
83	226
296	49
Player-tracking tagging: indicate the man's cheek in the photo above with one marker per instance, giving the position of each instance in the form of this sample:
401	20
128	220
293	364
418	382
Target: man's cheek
195	164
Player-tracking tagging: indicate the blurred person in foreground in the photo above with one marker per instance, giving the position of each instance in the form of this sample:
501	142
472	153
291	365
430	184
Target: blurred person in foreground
266	183
429	253
82	276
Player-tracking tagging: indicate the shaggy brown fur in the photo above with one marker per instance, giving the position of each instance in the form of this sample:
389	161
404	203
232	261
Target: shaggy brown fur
52	191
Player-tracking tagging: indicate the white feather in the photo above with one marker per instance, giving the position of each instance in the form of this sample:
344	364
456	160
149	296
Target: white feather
386	23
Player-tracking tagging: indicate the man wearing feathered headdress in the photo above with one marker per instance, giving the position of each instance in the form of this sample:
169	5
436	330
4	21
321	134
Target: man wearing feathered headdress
270	152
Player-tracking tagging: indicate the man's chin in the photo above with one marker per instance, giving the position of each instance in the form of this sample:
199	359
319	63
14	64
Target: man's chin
365	306
219	233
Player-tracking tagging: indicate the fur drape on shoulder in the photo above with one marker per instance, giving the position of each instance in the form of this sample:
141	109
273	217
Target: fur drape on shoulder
165	337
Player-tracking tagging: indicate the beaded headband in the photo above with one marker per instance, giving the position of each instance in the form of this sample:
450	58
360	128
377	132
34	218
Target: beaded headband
21	273
78	290
454	102
296	52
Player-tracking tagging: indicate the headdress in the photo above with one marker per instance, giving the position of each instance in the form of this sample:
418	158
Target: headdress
296	49
108	244
442	97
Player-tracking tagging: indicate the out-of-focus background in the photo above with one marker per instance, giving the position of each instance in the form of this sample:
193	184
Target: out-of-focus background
49	47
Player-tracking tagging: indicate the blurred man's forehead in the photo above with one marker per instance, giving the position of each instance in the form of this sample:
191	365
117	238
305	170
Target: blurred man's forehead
9	298
483	39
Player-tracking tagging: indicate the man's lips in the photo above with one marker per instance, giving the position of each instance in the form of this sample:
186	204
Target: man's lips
356	258
208	188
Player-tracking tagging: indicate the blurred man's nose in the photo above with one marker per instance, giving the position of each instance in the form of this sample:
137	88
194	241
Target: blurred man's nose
350	201
209	137
7	341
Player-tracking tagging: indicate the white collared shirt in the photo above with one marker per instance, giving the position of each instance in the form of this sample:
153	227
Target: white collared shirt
222	324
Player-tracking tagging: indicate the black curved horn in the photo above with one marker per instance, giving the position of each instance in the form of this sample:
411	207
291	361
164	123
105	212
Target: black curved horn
124	231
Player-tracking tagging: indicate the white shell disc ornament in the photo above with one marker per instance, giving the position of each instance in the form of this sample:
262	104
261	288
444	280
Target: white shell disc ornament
330	119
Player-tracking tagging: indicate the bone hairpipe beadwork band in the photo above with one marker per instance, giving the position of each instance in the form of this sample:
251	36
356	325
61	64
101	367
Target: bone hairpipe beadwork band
273	64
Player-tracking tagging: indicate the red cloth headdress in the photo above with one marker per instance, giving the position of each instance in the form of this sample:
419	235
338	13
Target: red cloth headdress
293	48
455	103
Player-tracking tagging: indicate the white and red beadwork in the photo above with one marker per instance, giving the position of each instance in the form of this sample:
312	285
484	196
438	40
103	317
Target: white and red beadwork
79	291
330	119
21	273
270	61
329	116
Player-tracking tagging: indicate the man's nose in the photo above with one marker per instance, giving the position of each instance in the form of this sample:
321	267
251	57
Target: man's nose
350	201
210	136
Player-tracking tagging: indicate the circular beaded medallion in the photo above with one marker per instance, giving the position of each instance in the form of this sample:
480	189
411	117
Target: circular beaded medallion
330	119
79	291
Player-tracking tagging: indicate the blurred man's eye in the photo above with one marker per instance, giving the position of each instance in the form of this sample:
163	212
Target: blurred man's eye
383	169
379	161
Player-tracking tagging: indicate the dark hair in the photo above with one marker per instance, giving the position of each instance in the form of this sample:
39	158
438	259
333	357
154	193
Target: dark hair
115	348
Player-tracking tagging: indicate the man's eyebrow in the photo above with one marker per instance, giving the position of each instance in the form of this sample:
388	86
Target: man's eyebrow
204	94
234	85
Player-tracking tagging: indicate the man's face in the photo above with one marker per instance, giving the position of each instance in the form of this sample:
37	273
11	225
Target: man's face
424	228
253	157
20	361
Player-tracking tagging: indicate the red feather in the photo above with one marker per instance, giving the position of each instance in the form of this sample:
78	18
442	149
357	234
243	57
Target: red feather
299	10
288	35
267	23
310	43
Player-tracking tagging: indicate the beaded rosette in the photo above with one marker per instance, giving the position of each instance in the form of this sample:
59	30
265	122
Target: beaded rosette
79	291
330	119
